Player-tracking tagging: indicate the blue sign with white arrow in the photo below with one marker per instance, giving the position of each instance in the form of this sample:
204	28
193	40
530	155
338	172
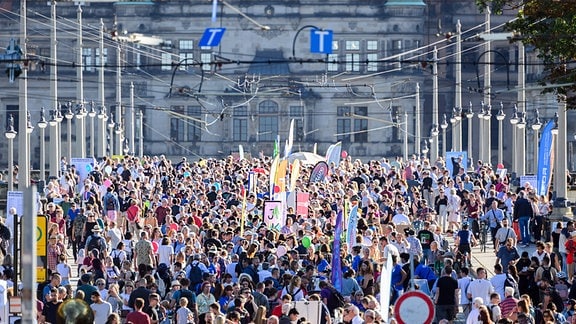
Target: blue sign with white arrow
212	37
321	41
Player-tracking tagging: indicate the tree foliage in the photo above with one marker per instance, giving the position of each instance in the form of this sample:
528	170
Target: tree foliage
549	26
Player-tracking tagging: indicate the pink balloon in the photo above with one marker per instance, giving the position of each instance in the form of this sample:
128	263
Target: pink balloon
276	189
107	183
344	154
155	247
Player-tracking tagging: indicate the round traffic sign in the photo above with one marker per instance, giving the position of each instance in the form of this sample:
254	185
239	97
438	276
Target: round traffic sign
414	307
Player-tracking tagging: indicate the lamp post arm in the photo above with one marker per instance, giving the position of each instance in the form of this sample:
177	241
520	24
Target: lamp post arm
296	37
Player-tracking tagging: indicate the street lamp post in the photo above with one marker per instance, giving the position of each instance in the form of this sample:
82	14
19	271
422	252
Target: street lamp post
488	143
126	148
102	142
29	130
481	133
111	133
514	121
536	128
54	142
69	115
444	126
92	114
500	117
80	137
561	206
470	115
10	134
42	124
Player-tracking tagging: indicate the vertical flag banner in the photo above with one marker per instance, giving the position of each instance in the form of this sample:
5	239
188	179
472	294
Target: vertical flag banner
319	172
276	151
273	170
273	215
302	203
333	154
252	182
352	228
294	174
280	177
336	274
241	152
243	215
545	159
385	286
290	142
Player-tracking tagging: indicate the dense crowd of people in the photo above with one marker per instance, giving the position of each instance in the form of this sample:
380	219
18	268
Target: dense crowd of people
157	241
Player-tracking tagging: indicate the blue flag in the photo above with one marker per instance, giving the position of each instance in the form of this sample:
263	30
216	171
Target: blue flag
336	275
352	228
545	159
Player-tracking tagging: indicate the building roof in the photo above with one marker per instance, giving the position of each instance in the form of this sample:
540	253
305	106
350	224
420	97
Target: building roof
269	62
405	3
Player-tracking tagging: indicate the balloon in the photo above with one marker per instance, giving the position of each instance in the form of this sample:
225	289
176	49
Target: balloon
344	154
155	247
500	166
174	227
276	189
306	241
108	169
89	167
281	251
107	183
186	174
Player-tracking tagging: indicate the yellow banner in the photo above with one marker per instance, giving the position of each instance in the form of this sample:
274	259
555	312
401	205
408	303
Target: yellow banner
41	232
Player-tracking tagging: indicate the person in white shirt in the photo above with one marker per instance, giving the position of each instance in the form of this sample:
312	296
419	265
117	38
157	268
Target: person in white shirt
102	309
463	283
473	316
480	287
498	281
400	218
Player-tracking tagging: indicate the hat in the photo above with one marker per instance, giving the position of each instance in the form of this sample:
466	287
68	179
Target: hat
248	233
408	231
96	229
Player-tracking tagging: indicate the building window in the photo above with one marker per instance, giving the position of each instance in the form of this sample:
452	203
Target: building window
332	62
186	45
194	127
352	45
350	127
240	124
361	125
177	130
371	45
372	65
297	113
267	121
186	55
167	45
343	124
186	129
372	55
352	63
166	61
205	59
87	60
186	61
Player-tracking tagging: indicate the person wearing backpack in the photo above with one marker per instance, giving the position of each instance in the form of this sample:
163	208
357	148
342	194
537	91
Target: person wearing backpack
96	241
330	296
545	275
111	205
196	270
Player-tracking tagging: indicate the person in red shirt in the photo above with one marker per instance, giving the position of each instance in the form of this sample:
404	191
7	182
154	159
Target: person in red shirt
138	316
287	299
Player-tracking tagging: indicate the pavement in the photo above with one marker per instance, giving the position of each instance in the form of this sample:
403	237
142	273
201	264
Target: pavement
487	260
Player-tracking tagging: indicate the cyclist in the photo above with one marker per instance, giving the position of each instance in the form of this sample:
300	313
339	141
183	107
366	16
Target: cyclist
464	240
474	209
